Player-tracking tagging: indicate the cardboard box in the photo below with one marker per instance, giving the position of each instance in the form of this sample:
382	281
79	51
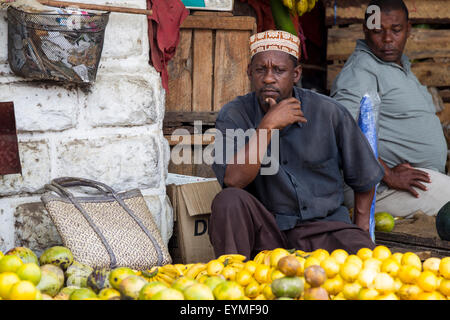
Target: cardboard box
191	199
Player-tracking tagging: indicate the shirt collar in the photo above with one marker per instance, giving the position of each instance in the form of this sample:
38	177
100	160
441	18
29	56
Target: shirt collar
361	45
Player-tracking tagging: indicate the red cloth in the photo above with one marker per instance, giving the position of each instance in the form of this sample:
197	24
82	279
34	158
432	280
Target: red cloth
164	33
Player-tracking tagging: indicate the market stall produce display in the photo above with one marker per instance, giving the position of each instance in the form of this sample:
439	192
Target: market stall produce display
377	274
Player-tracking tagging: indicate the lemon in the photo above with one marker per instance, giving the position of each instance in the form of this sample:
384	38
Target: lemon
430	296
351	290
349	271
397	256
10	263
444	268
30	271
243	277
214	267
353	258
229	273
118	274
250	266
267	292
409	291
390	266
331	266
367	277
427	281
340	255
388	296
320	254
261	273
384	283
372	263
411	259
228	290
381	252
444	287
334	285
22	290
276	255
364	253
110	294
7	280
275	274
253	289
311	261
432	264
408	274
168	294
368	294
384	221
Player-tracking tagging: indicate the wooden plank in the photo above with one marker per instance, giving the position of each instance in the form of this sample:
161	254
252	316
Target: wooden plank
423	43
230	67
202	77
179	68
190	117
194	139
420	11
413	240
428	73
222	23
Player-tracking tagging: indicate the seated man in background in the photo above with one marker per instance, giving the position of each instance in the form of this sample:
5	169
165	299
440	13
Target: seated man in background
309	138
411	142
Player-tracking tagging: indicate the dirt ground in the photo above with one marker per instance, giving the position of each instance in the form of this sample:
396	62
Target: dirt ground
419	225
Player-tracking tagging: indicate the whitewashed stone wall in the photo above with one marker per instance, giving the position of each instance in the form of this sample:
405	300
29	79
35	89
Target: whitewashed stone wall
111	133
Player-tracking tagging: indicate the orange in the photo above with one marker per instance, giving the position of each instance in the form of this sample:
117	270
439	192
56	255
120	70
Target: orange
353	258
381	252
147	291
31	272
23	290
340	255
364	253
334	285
444	287
367	277
384	283
408	274
276	255
198	291
267	292
315	276
427	281
320	254
409	292
368	294
397	256
384	221
331	266
390	266
213	281
444	268
349	271
351	290
388	296
228	290
435	295
229	273
10	263
261	273
7	280
289	265
253	289
243	277
411	259
250	266
372	263
432	264
214	267
168	294
182	283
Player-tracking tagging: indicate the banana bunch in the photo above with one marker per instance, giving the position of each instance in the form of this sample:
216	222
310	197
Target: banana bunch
263	257
299	7
166	274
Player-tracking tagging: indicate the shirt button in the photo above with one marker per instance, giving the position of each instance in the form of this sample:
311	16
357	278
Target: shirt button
304	207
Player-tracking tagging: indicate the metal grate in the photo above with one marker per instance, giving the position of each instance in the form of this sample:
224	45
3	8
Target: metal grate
61	47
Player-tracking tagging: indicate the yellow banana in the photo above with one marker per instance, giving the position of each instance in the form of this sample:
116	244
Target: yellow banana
200	274
302	7
164	280
237	264
237	257
195	270
259	258
187	267
181	268
170	270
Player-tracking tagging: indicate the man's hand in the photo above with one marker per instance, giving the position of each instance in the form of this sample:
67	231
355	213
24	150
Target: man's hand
405	177
282	114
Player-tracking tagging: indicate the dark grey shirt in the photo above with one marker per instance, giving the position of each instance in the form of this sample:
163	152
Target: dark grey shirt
315	158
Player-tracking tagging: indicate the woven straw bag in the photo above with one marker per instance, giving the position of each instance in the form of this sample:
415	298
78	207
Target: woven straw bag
108	230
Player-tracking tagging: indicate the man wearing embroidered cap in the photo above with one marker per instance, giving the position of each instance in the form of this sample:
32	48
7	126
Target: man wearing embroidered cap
310	139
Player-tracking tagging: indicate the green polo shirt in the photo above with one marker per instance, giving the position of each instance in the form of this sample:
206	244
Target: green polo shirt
409	130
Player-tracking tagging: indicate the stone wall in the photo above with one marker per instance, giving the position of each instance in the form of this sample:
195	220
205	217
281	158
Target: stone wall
111	132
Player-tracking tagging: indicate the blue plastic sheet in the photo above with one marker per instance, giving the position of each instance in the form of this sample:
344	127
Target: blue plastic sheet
367	122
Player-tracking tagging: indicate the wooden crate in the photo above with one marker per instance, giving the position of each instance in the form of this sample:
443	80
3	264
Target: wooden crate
207	71
429	49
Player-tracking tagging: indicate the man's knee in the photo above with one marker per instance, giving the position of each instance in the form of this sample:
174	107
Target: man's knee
228	197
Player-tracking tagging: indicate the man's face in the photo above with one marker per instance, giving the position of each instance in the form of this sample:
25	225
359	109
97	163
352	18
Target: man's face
272	75
388	42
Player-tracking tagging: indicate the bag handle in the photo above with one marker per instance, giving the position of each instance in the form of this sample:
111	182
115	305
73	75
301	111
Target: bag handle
58	185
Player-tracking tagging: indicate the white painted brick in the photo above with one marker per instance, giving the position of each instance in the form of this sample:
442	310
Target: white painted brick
123	162
40	106
35	162
3	37
122	101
